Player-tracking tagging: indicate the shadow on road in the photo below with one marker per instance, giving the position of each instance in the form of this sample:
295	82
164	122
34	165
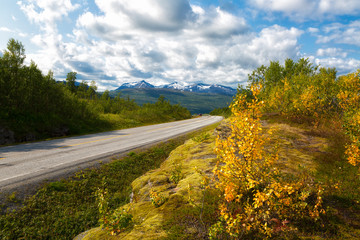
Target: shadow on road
56	143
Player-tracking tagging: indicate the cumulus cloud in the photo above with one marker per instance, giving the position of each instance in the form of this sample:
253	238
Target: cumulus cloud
331	52
343	65
295	6
216	23
125	19
302	10
46	14
50	11
276	43
341	33
339	7
196	44
175	41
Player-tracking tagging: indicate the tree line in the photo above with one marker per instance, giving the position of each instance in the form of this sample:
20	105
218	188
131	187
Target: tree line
36	105
304	92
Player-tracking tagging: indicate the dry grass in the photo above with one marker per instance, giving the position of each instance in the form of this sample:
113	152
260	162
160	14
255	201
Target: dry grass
297	149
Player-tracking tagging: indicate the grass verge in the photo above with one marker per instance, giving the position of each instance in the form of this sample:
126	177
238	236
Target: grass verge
63	209
171	202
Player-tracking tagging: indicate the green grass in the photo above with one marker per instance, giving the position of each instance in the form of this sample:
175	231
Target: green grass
63	209
342	181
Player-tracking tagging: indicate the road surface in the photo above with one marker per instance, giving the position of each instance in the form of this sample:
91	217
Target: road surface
24	164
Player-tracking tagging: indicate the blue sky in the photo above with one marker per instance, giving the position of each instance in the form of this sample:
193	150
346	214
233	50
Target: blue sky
162	41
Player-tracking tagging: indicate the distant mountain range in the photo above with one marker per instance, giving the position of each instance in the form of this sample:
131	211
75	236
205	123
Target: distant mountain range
197	98
196	88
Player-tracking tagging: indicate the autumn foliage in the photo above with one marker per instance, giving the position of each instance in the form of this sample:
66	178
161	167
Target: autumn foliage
257	197
349	101
303	92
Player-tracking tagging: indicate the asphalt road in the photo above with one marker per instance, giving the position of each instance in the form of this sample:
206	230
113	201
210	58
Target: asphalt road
24	164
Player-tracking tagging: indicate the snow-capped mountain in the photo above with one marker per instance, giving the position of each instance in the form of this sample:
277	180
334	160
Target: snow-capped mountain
175	85
141	84
203	88
196	88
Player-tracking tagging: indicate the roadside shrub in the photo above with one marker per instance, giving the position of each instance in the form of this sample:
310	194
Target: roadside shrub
258	201
114	222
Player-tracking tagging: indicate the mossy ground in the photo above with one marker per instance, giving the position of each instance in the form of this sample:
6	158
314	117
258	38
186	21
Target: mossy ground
150	222
189	210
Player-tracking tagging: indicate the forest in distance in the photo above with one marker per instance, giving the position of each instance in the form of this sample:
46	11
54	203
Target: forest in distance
36	106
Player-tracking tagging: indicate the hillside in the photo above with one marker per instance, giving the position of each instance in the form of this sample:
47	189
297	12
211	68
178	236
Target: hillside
188	209
194	102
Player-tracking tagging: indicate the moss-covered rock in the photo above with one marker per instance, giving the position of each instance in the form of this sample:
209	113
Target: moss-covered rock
149	220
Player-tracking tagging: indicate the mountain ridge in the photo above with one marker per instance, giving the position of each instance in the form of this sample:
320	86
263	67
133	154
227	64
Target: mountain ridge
195	102
197	87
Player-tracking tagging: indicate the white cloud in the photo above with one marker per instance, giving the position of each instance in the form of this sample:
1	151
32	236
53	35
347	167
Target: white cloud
339	7
331	52
125	20
5	29
216	23
174	41
23	35
313	30
122	19
47	12
342	65
277	43
302	10
297	6
189	49
341	33
207	56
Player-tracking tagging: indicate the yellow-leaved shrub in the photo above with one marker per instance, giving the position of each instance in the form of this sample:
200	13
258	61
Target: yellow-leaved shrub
257	200
349	101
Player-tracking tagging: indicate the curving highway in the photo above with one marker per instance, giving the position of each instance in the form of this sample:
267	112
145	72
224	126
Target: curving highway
33	162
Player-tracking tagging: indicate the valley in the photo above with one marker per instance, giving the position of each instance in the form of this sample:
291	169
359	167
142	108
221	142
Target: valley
196	103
